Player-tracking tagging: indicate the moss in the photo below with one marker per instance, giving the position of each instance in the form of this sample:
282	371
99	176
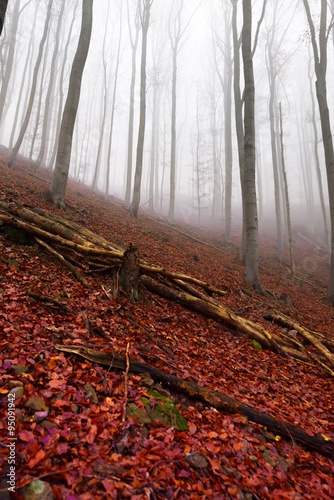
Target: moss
158	407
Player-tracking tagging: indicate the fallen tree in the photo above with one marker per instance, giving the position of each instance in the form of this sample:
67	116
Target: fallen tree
84	252
215	399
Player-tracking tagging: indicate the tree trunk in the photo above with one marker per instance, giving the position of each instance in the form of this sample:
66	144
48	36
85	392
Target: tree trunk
50	91
59	181
10	56
11	161
320	62
134	44
251	218
142	119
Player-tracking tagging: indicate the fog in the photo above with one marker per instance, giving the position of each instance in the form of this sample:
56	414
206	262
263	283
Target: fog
199	96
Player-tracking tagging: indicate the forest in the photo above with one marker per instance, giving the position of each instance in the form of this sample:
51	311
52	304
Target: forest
166	249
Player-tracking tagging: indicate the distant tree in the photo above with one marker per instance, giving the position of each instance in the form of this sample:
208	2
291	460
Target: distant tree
113	101
56	191
25	123
3	8
52	159
48	99
145	22
319	45
10	54
316	155
134	37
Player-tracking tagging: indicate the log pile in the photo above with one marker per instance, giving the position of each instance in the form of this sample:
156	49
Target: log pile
84	252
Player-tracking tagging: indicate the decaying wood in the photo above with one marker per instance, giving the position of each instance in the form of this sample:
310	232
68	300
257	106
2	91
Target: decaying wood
83	251
310	336
215	399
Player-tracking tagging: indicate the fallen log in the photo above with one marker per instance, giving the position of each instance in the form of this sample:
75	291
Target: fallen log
77	247
215	399
307	334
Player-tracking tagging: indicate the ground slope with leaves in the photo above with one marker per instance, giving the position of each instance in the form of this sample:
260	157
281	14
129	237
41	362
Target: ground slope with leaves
90	448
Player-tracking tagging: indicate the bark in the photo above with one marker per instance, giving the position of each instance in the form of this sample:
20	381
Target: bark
249	191
59	181
320	63
221	402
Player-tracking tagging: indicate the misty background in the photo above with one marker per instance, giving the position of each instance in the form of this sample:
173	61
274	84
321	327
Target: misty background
100	147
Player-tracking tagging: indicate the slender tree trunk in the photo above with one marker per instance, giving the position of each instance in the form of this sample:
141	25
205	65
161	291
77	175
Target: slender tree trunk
238	121
228	131
24	81
113	104
11	48
58	185
320	63
134	45
317	160
61	91
48	100
25	123
251	217
142	120
286	191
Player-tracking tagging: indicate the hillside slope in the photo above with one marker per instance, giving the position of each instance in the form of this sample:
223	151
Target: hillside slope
89	448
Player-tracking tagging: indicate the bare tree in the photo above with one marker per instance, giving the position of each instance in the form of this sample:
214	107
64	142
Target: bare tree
145	22
319	45
134	44
25	123
49	93
10	55
56	192
249	191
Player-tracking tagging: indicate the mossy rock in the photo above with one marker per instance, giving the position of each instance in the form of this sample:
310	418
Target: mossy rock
158	408
256	345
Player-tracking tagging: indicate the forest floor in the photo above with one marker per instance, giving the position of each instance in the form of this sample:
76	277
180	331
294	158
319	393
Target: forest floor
71	428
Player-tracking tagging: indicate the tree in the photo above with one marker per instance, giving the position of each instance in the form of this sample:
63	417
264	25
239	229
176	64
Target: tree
319	47
56	192
3	8
145	22
134	44
10	56
48	100
249	188
25	123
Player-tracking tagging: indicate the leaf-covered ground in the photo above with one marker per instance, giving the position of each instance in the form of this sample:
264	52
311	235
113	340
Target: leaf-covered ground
90	449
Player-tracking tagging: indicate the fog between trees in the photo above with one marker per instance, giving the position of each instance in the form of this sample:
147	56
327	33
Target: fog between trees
194	97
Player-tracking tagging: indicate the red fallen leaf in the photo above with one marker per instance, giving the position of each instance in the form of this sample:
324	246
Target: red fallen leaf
40	455
213	434
55	384
238	446
109	485
26	436
90	438
192	429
